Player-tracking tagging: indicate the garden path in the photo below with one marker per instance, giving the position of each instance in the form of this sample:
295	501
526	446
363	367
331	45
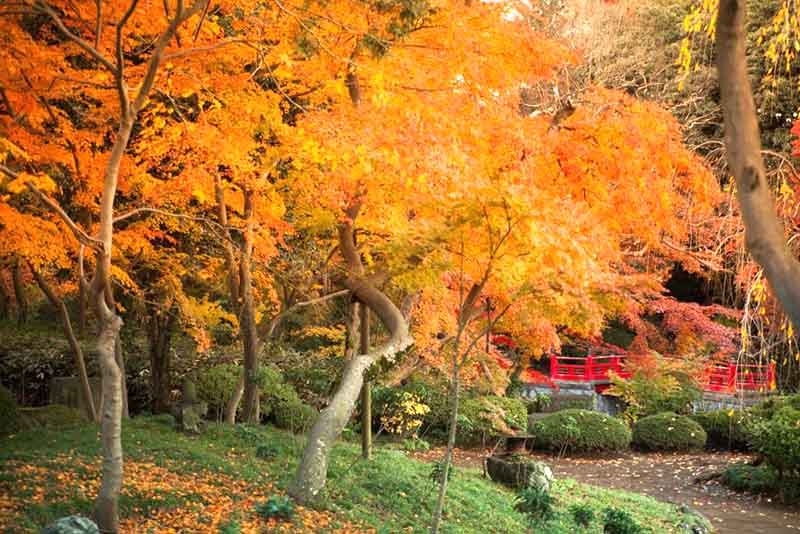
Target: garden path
667	477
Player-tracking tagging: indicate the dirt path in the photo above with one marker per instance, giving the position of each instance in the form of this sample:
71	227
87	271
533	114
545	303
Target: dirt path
671	478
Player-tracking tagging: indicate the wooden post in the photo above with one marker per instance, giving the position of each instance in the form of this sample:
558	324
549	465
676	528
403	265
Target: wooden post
366	390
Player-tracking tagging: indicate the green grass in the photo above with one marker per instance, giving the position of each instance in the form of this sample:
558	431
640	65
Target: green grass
390	493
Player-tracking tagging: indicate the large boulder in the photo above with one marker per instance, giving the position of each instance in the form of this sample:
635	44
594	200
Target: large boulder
73	524
519	471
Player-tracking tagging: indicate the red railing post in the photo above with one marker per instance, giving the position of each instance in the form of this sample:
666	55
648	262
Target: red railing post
771	381
553	366
588	372
733	370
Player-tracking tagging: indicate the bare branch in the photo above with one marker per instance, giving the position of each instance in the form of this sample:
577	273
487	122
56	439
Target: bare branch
89	49
78	232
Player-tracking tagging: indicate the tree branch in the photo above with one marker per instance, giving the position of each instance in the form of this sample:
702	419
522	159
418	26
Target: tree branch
77	231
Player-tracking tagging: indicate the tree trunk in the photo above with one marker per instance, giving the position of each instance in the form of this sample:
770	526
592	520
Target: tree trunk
247	317
313	468
5	301
106	509
66	325
233	403
159	333
366	390
83	294
19	293
451	444
764	231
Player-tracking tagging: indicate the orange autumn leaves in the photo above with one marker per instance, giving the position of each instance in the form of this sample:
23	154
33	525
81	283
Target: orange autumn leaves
174	499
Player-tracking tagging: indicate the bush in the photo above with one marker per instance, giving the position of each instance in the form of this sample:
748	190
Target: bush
778	441
216	385
294	415
727	429
416	445
749	478
277	507
668	432
405	416
536	503
490	417
428	391
657	385
53	416
616	521
582	514
9	414
580	431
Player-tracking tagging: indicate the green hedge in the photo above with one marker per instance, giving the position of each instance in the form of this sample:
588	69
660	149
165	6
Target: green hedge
294	415
580	431
9	414
777	440
668	431
726	429
490	417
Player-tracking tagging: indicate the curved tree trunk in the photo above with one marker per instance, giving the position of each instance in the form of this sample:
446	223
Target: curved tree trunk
313	469
66	325
764	231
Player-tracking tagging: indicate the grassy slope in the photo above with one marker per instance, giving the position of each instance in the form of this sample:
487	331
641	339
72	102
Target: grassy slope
390	494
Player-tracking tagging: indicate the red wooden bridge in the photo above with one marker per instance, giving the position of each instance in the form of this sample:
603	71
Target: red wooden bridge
719	377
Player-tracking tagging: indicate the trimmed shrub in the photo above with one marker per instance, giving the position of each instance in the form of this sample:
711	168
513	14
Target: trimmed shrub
668	432
778	441
536	503
276	507
582	514
726	429
580	431
294	415
9	414
490	417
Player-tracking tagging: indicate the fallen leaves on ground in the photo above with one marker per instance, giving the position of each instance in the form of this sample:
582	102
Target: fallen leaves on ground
159	499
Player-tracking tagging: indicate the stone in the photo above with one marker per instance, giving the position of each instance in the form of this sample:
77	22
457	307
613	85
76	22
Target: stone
516	471
190	413
73	524
540	476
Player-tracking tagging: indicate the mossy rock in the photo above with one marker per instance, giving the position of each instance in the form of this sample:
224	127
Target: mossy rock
517	471
668	431
9	413
73	524
581	431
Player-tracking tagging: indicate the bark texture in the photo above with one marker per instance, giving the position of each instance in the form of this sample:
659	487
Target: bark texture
159	335
764	230
247	317
313	468
19	293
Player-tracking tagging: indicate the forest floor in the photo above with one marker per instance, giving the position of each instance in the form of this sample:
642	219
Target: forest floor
675	478
212	483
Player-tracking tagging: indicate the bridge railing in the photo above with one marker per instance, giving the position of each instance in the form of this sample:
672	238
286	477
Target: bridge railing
720	377
725	377
585	369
